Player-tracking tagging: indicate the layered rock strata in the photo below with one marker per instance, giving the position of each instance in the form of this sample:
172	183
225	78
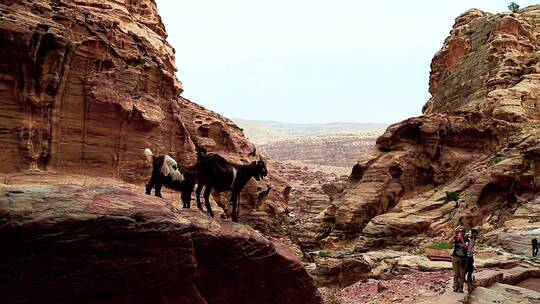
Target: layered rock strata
86	85
473	158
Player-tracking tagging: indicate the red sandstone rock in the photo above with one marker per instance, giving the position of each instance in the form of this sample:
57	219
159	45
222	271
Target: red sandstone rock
438	254
479	138
102	244
86	85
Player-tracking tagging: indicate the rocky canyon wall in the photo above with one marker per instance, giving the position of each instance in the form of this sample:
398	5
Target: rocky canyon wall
473	158
86	85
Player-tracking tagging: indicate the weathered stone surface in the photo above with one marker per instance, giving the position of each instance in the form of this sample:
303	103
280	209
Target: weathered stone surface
311	193
489	64
414	156
503	293
86	85
438	254
517	240
342	271
102	244
417	287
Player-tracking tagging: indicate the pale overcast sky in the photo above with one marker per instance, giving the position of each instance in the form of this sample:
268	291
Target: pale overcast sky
311	60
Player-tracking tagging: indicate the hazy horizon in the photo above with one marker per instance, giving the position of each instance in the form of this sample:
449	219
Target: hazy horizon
307	123
311	61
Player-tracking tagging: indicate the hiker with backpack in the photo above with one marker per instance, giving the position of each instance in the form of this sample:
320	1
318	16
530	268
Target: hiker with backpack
459	258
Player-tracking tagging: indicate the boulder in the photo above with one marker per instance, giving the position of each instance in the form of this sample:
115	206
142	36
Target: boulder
103	244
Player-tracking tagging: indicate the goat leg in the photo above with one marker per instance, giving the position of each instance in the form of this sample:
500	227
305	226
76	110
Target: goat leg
234	201
198	195
158	190
207	192
186	197
150	185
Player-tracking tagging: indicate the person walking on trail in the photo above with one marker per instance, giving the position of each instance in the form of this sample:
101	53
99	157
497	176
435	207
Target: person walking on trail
534	246
471	242
459	258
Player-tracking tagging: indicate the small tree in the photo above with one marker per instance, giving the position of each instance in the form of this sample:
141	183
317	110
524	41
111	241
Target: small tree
514	7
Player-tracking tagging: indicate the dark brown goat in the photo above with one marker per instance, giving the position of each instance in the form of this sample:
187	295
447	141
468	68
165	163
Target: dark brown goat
165	172
215	172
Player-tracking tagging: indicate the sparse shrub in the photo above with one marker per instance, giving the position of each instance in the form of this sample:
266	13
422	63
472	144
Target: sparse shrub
452	196
514	7
478	107
497	159
323	253
441	245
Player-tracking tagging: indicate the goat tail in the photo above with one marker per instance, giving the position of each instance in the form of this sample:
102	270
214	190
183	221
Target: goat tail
148	154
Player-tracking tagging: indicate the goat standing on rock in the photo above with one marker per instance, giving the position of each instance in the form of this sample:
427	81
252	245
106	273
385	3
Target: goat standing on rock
165	172
215	172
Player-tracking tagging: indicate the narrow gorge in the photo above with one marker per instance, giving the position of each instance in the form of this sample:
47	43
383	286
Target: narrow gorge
87	85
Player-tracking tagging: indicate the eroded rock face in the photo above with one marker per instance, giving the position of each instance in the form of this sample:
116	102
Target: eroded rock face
478	139
67	244
416	155
311	193
86	85
489	64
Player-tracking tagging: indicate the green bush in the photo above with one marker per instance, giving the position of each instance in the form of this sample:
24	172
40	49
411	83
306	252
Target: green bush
452	196
497	159
441	245
323	253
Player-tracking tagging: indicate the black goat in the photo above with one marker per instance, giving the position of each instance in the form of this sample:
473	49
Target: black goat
215	172
165	172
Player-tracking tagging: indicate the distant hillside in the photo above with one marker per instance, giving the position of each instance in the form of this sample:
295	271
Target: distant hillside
264	132
336	150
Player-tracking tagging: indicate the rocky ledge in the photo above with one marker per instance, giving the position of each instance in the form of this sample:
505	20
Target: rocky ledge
70	243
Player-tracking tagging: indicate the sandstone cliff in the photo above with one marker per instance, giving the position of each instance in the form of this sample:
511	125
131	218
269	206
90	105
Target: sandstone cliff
478	142
86	85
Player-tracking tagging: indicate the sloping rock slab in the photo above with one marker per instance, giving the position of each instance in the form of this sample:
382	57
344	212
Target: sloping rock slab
105	244
438	255
503	293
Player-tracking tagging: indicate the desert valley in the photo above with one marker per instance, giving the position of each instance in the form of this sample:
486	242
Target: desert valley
348	213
